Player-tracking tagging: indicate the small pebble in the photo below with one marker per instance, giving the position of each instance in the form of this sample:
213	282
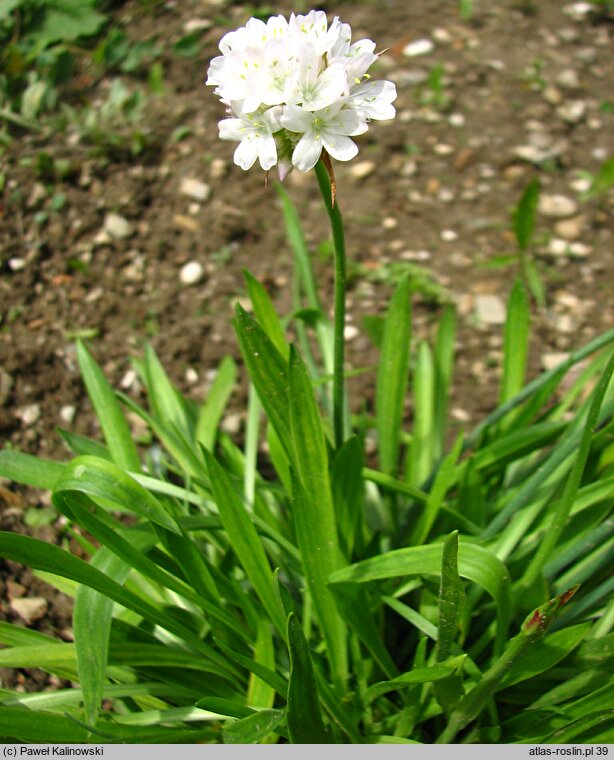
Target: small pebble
573	111
363	169
28	414
17	264
195	189
117	226
570	229
557	206
418	47
192	273
350	332
449	236
490	309
552	360
568	79
67	414
30	609
197	25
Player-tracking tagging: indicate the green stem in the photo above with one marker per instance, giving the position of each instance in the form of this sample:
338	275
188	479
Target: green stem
336	223
533	629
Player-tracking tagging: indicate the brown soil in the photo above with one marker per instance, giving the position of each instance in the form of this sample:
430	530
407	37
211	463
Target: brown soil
443	181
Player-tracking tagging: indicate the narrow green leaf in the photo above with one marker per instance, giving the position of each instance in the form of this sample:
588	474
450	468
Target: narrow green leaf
92	627
420	455
268	372
444	365
260	693
393	377
348	488
313	511
19	724
43	556
265	314
515	343
212	410
167	404
304	716
104	480
30	470
524	215
444	480
419	675
572	484
245	541
299	246
252	729
112	421
475	563
451	598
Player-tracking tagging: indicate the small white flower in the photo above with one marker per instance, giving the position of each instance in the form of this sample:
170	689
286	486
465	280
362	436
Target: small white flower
255	135
329	128
296	87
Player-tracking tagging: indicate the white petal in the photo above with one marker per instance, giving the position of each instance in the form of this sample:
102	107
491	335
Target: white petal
307	152
267	152
347	122
272	118
246	154
296	119
232	129
330	86
339	146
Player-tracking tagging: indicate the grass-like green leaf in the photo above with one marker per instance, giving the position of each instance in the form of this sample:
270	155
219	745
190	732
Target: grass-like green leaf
348	487
304	716
474	562
420	455
444	365
245	541
42	556
104	480
212	410
515	343
112	421
524	215
268	372
30	470
406	680
166	402
17	723
252	729
265	314
393	377
313	510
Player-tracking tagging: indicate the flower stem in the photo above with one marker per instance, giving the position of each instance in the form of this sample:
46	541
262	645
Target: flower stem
336	222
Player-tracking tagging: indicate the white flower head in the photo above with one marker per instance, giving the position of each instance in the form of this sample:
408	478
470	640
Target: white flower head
296	87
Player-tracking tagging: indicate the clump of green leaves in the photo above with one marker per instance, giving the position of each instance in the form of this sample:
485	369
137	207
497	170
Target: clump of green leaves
427	595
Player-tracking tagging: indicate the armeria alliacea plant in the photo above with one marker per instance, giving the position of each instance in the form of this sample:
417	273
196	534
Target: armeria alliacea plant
296	87
426	598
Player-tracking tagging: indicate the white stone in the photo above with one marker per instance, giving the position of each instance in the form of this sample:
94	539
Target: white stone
557	206
350	332
128	380
28	414
362	169
552	360
418	47
192	273
389	222
30	609
195	189
231	424
568	79
573	111
117	226
580	184
578	11
490	309
570	229
197	25
457	120
442	35
67	413
460	415
17	264
449	236
443	149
